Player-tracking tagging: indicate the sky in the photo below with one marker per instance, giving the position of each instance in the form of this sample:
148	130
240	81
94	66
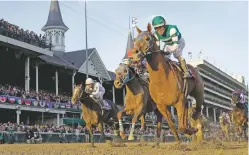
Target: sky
218	29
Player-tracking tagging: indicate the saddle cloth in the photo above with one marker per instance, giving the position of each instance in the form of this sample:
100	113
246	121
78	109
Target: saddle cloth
107	105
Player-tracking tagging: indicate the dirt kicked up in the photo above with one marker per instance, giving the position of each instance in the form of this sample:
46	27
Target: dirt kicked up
205	148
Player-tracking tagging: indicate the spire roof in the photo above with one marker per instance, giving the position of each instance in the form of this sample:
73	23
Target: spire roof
130	44
54	17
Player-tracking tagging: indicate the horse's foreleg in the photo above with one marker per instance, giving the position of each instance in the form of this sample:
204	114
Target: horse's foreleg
142	122
158	126
101	129
182	113
167	114
121	128
89	127
137	114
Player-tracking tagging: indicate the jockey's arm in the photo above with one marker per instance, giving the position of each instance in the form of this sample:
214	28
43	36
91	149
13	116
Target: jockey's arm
175	40
97	89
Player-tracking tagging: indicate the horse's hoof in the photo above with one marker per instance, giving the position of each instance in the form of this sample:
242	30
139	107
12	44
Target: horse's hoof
92	146
196	115
123	136
155	145
191	131
131	137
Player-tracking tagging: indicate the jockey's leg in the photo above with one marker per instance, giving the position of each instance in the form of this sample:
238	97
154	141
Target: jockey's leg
184	67
101	101
178	55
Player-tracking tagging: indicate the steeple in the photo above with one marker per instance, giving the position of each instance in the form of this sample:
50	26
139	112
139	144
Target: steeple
55	29
54	17
129	45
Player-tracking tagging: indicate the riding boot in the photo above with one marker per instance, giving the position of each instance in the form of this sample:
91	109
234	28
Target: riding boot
101	106
184	67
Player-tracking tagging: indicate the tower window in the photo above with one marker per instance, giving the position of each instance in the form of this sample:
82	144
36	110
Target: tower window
57	39
50	38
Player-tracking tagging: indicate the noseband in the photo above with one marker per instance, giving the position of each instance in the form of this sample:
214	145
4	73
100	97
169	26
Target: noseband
126	78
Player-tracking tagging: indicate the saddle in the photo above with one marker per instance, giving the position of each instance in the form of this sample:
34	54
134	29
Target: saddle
176	65
107	105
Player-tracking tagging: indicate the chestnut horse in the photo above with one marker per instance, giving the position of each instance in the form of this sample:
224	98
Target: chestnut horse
239	114
92	113
138	100
167	87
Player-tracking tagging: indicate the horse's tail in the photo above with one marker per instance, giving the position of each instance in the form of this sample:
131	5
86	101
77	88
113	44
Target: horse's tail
115	109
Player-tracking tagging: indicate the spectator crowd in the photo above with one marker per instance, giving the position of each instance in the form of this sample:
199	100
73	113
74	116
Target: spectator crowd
34	133
16	91
9	30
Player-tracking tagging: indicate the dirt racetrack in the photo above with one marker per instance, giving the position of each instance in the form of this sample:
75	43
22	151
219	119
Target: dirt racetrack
205	148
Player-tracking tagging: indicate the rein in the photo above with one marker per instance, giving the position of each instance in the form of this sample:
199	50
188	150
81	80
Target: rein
127	77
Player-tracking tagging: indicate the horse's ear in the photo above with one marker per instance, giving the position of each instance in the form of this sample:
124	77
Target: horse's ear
149	27
138	30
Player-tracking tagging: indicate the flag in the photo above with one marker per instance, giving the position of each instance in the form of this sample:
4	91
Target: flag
134	21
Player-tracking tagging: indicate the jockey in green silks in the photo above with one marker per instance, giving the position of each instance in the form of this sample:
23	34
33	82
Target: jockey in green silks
170	40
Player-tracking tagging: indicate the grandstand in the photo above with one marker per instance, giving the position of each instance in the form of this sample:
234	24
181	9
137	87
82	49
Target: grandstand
218	87
38	76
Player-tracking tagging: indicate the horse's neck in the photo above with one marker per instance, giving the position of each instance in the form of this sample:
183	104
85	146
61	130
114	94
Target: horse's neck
89	104
134	86
158	68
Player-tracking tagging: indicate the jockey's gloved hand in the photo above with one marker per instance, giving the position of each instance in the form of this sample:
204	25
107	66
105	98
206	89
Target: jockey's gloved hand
167	53
91	95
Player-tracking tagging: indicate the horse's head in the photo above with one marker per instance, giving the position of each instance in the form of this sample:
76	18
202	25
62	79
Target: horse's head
77	93
145	43
123	75
238	97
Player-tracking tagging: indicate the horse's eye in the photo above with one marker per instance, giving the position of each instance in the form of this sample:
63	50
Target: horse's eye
147	38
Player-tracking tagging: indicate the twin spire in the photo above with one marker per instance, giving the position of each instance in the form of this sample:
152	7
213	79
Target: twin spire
54	17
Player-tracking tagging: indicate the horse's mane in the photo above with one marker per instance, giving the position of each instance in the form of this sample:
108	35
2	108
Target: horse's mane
88	101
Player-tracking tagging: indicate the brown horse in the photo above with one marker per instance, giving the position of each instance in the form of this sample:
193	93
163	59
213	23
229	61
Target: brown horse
92	113
166	82
239	114
138	100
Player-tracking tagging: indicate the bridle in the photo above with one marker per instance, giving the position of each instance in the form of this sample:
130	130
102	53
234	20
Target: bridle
127	77
149	50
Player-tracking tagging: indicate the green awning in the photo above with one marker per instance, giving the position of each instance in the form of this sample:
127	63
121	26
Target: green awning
69	121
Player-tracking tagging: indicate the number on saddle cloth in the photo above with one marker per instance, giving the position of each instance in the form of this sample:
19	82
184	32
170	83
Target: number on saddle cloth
107	105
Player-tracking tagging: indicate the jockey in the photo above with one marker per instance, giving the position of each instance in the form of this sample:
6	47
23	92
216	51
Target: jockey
171	41
96	91
140	67
241	99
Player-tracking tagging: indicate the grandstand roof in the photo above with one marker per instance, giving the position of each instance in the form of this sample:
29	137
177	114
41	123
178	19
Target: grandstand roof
55	60
77	58
54	17
112	75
